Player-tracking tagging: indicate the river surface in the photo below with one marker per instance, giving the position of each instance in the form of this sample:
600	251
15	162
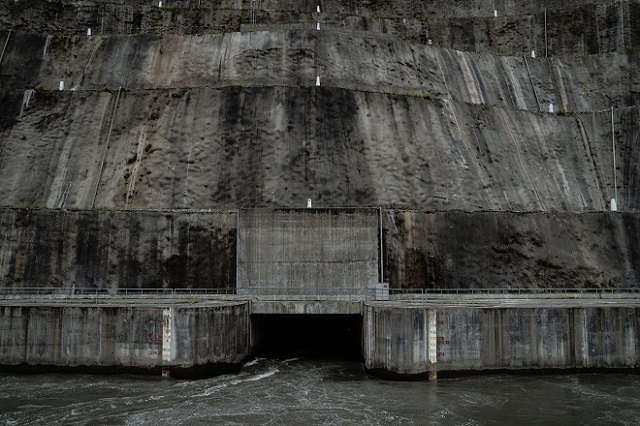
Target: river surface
303	391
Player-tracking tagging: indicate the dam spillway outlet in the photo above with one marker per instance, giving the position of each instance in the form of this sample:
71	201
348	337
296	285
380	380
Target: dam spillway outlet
314	336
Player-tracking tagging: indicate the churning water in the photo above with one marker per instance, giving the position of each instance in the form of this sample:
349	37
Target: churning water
303	391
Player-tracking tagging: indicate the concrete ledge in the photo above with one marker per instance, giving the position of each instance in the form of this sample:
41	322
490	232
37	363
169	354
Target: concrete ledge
306	307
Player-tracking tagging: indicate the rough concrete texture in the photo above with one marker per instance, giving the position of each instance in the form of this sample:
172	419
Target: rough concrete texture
396	339
361	62
210	335
278	146
117	249
576	27
333	252
233	119
316	251
518	250
213	105
538	338
294	307
123	336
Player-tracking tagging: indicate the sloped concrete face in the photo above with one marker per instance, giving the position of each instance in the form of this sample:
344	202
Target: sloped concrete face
277	146
398	341
363	62
572	28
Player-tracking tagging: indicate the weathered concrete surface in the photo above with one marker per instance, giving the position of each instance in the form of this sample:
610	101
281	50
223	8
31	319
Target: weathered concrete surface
577	27
208	337
500	250
396	339
297	307
315	251
294	58
331	252
278	146
117	249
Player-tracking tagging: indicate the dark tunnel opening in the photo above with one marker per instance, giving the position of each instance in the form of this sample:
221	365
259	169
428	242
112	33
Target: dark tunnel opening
311	336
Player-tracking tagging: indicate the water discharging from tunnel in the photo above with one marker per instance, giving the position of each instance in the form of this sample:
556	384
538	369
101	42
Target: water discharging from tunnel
312	336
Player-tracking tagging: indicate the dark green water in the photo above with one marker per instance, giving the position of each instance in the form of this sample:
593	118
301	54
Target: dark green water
310	392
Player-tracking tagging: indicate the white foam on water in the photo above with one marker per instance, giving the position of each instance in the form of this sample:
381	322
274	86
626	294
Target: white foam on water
260	376
253	362
237	381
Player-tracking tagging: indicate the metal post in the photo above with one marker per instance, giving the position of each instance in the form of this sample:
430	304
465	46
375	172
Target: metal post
238	249
613	149
546	44
381	247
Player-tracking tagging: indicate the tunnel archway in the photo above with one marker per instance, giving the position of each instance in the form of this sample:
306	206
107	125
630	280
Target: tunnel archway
315	336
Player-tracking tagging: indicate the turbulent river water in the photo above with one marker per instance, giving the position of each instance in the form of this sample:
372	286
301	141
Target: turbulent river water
303	391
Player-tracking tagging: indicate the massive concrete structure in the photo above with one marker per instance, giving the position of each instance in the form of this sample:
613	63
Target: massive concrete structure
177	144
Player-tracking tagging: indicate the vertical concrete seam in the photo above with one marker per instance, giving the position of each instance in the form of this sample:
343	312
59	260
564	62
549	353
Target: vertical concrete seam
167	336
433	337
533	88
104	156
6	43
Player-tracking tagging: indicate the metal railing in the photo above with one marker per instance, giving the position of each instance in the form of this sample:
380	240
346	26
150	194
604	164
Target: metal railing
120	292
514	291
306	293
262	293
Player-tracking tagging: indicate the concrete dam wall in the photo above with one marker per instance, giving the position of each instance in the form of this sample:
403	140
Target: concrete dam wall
503	27
399	339
244	148
440	145
236	120
406	340
177	339
316	251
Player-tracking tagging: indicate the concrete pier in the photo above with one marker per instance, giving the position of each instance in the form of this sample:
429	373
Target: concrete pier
178	339
401	339
504	335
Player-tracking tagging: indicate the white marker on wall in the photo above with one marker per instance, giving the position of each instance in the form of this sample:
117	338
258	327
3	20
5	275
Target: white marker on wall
495	13
308	203
550	107
159	3
89	32
318	8
318	26
61	85
533	53
317	80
